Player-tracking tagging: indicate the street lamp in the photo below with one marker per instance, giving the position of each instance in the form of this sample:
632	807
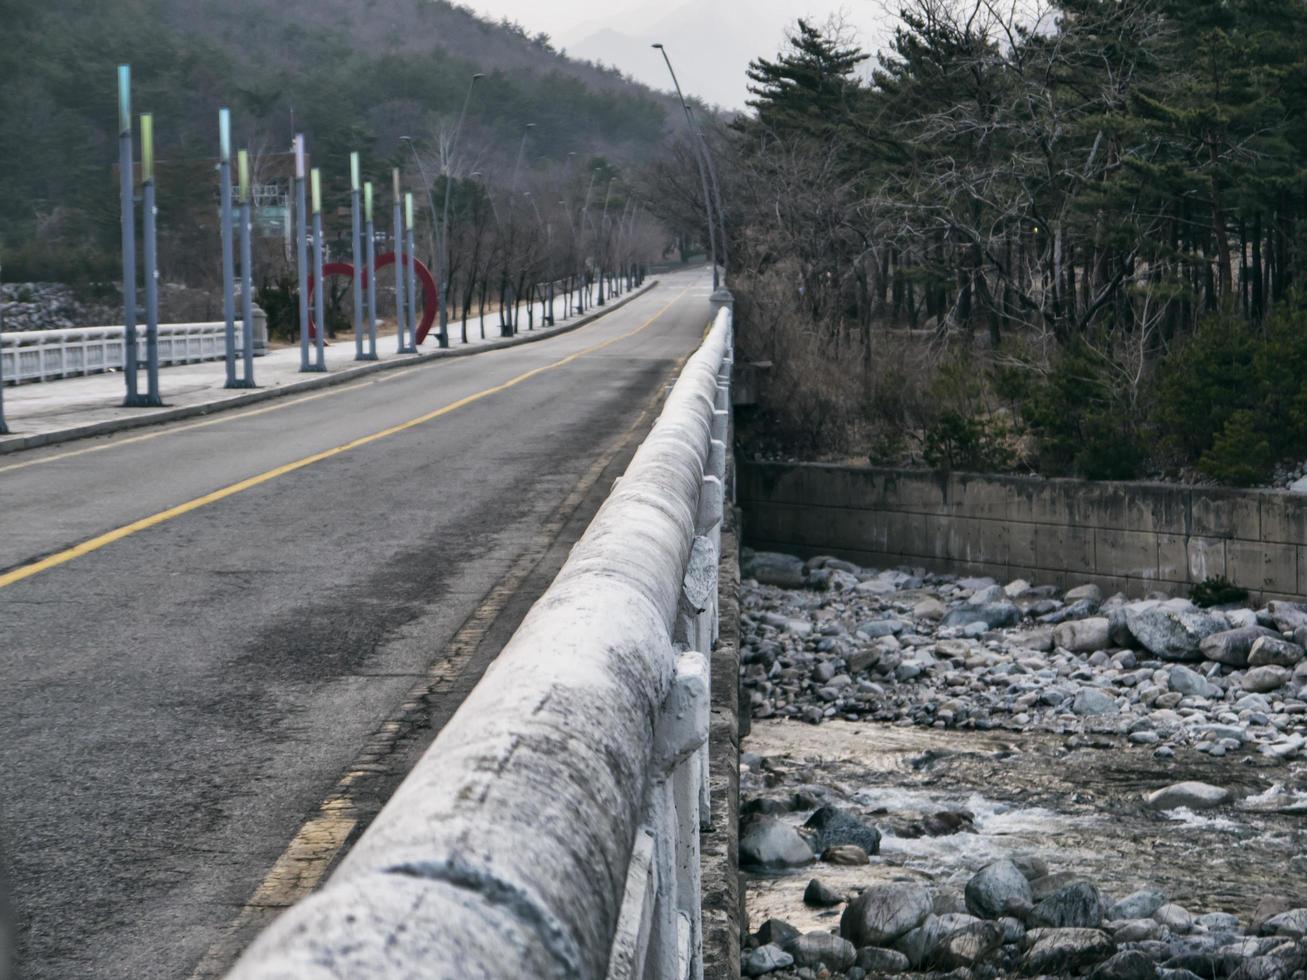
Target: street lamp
700	157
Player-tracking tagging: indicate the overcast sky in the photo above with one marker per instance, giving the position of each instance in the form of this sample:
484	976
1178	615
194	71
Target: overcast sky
710	41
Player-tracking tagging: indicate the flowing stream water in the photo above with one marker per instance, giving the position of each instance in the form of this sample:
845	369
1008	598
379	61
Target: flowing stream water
1076	803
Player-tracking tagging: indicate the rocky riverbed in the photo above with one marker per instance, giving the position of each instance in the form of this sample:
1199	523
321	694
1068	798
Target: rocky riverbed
953	775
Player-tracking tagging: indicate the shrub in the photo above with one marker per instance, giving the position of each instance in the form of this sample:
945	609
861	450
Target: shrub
1217	591
1241	455
1084	424
957	442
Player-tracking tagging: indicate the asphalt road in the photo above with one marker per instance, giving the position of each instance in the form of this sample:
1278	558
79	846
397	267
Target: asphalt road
177	701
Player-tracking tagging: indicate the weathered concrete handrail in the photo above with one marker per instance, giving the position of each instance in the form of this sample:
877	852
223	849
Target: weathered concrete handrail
46	355
551	830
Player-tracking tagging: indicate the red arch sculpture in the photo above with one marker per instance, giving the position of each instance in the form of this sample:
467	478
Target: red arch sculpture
430	294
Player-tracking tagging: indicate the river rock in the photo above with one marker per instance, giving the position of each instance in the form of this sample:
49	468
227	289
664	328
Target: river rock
1176	918
1267	909
1137	930
1194	795
1187	681
995	615
1172	634
765	959
1078	906
1287	616
816	948
879	961
1231	647
1137	905
1272	651
930	609
1129	964
994	889
1292	923
833	825
1083	635
820	895
1094	701
773	568
768	844
884	912
967	944
1262	679
1089	591
845	854
1063	951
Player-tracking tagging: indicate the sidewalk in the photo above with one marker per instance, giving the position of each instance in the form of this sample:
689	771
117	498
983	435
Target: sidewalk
56	411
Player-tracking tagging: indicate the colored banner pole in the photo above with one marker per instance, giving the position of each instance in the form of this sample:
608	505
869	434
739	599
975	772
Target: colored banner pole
247	272
355	232
320	288
400	319
228	259
369	229
127	193
301	251
412	275
151	271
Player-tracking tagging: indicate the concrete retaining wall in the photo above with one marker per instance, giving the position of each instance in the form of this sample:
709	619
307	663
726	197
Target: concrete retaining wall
1133	537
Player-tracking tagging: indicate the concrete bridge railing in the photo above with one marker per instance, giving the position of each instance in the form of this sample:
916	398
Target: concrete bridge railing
552	829
47	355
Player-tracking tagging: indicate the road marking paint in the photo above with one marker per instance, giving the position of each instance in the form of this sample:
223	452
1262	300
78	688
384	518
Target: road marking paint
322	837
127	530
166	429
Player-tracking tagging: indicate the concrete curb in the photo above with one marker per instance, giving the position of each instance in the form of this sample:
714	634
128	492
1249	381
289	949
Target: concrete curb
13	444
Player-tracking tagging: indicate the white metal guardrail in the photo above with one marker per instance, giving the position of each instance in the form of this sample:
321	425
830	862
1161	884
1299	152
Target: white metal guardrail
47	355
552	829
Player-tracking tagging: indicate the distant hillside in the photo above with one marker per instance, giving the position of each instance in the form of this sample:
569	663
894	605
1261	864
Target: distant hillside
352	74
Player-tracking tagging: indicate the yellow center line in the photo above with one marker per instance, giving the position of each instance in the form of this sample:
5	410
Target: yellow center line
168	430
117	534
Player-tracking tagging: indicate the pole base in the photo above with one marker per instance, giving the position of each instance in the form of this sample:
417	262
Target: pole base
313	369
366	357
443	343
143	401
407	350
4	429
240	383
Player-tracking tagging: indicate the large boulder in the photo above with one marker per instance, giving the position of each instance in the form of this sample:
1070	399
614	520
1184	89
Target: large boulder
1137	905
876	960
1287	616
1263	679
774	568
1193	795
1083	635
1292	924
1168	632
765	959
1231	647
816	948
884	912
1129	964
768	844
1065	951
996	889
833	826
1077	906
1272	651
